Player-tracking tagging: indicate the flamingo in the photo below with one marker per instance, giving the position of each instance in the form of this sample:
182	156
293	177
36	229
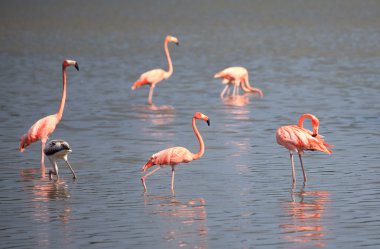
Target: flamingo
237	76
45	126
155	76
297	139
58	149
175	155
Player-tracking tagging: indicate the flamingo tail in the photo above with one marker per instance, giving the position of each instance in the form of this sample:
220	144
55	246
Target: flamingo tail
138	83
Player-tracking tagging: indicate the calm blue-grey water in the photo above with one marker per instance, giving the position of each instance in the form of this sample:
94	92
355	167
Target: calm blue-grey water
321	57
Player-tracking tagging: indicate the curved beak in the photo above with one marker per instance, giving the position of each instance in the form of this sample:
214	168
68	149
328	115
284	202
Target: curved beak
77	66
177	43
208	122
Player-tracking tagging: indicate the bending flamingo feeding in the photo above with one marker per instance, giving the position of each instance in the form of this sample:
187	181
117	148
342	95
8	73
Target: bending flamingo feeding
176	155
45	126
236	76
296	139
58	149
155	76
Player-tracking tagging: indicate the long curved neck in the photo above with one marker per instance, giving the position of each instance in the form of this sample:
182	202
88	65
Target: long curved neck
170	70
200	140
302	118
62	104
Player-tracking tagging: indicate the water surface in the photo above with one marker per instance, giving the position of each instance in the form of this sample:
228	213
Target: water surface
318	57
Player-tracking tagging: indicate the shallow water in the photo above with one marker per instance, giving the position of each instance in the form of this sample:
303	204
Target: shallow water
315	57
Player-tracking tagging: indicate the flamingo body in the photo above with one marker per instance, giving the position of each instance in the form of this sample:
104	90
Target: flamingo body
155	76
297	139
41	130
55	150
46	126
175	155
237	76
171	156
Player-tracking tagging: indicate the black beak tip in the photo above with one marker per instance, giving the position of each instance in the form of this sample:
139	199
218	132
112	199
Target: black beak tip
314	135
77	66
177	43
208	122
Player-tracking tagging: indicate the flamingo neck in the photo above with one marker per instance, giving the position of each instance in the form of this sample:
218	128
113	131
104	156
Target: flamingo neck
309	116
170	65
200	140
63	100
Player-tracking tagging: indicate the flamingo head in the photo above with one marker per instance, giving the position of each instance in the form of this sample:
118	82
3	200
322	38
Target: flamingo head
172	39
199	115
24	142
67	63
315	125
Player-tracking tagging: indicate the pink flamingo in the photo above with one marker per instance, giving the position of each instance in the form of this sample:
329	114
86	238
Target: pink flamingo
155	76
45	126
175	155
297	139
237	76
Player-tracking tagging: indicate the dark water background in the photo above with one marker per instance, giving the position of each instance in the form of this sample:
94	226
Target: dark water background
321	57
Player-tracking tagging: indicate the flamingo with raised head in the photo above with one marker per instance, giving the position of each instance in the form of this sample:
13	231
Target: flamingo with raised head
45	126
296	139
236	76
55	150
176	155
154	76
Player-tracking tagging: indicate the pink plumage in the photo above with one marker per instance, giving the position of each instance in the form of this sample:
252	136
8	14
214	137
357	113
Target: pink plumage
175	155
297	139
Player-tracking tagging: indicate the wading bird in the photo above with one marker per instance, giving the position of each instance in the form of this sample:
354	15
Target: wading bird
155	76
58	149
175	155
296	139
45	126
236	76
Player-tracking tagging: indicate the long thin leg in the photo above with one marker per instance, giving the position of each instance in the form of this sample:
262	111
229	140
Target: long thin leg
234	92
55	172
43	142
303	170
293	173
72	171
144	177
173	180
224	91
150	94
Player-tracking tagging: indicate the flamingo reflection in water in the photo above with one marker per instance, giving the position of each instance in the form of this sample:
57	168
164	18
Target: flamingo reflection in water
305	214
185	221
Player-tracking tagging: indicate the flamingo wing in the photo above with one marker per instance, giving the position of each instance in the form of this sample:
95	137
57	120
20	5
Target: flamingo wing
172	156
299	139
151	77
39	130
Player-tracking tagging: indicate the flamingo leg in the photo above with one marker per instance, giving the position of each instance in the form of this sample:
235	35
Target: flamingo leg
303	170
55	172
235	89
72	171
144	177
293	173
173	180
224	91
150	97
43	143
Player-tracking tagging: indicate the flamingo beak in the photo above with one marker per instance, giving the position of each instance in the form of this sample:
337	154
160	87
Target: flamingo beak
208	122
314	135
177	43
77	66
